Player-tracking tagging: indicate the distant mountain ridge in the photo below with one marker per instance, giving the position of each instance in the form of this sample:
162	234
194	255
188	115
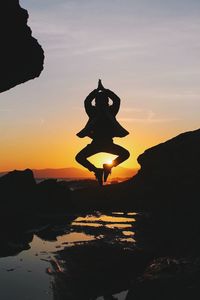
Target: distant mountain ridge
119	172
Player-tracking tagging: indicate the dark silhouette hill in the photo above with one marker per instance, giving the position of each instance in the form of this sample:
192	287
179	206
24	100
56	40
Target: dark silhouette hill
60	173
80	173
21	56
76	173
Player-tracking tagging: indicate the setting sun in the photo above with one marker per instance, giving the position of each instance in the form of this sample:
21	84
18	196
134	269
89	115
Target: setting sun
109	162
102	158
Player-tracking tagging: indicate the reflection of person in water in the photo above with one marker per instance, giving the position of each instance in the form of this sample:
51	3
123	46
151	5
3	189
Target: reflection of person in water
102	127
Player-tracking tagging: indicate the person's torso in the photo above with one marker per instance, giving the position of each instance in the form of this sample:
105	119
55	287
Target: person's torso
103	124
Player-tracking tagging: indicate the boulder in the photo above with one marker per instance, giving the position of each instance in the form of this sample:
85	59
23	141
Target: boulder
169	173
20	195
17	189
177	158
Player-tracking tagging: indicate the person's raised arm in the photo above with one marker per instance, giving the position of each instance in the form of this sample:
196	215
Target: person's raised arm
115	99
88	102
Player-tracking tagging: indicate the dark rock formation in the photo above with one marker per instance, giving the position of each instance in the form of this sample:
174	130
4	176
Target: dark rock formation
14	241
21	57
168	278
54	196
171	170
97	269
20	195
167	186
18	181
17	190
28	208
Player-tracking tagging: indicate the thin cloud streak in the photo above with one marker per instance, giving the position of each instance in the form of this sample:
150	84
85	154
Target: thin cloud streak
150	118
140	120
131	109
105	48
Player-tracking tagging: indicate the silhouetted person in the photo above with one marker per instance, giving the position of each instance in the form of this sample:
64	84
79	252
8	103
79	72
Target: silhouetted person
102	127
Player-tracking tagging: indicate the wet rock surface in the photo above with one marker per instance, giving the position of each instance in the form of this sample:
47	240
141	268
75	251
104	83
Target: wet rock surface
21	56
168	278
97	269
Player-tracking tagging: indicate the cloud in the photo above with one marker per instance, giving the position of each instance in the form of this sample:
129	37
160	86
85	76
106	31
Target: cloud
141	120
150	118
105	48
131	109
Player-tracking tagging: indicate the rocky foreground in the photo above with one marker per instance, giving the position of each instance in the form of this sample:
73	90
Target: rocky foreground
165	264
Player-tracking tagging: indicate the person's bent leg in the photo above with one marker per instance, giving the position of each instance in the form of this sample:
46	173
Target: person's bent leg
82	156
122	153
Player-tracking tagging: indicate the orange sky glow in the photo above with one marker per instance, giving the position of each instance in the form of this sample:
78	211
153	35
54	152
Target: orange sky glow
148	54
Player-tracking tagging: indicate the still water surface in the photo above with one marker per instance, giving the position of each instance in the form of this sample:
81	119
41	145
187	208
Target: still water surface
28	275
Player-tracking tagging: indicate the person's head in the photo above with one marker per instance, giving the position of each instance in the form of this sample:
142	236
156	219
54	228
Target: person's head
101	100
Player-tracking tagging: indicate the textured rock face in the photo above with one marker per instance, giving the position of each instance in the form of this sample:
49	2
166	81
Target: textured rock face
21	56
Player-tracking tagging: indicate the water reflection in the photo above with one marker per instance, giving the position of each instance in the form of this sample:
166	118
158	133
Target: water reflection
52	255
104	219
109	227
118	226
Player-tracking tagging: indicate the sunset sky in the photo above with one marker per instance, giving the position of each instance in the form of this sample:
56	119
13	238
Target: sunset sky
148	52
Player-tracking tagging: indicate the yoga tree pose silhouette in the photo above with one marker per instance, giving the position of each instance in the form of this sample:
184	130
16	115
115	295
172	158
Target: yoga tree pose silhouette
102	127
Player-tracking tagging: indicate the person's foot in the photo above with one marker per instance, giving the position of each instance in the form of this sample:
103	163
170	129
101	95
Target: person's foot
106	171
99	175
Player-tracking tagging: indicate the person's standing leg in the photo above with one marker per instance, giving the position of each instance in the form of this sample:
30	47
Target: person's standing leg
82	156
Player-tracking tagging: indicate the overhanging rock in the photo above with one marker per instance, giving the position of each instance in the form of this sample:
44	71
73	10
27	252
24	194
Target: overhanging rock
21	56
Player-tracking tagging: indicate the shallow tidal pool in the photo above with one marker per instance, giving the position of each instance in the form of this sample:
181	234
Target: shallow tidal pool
29	274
